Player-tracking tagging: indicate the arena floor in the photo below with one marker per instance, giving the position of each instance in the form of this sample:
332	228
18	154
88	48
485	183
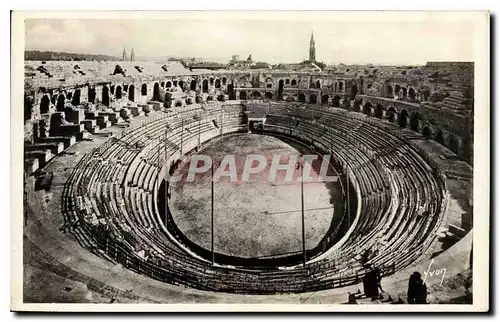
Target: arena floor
257	218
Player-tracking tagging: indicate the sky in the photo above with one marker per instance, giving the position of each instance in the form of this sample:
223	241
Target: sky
376	38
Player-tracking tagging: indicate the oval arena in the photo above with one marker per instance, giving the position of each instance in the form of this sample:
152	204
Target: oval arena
109	145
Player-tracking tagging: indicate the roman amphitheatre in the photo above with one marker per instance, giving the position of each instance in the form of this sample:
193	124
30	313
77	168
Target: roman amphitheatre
101	224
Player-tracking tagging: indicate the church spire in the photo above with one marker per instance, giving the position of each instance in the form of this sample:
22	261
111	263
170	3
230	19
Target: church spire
312	49
132	55
124	55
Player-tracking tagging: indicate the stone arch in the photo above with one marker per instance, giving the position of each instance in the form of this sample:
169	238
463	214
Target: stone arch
268	95
211	81
405	92
426	132
302	98
45	104
324	99
281	85
403	118
243	95
131	93
156	92
388	90
178	104
294	82
256	95
60	102
397	88
217	83
453	144
414	121
118	93
193	85
181	85
391	113
412	94
105	96
318	84
224	81
313	99
168	84
204	86
144	90
91	95
354	91
174	83
367	109
341	86
76	97
356	105
336	101
439	137
379	111
162	84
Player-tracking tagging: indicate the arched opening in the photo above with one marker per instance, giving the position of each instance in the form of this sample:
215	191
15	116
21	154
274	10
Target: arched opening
230	91
118	94
388	90
426	93
405	92
28	107
162	84
168	84
379	112
60	102
336	101
54	99
224	81
411	93
397	88
174	83
318	84
324	100
144	90
367	109
221	98
76	98
92	94
125	88
403	118
131	93
294	82
391	113
204	86
313	99
211	81
426	132
156	92
112	89
439	137
178	104
181	85
341	86
356	105
414	121
45	104
69	95
354	91
302	98
105	96
217	83
281	85
193	85
268	95
453	144
243	95
256	95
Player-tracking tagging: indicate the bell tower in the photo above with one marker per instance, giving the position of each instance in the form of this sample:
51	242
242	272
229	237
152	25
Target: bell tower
312	49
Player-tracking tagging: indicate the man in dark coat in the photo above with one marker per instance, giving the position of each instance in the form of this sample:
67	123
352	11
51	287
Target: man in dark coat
417	290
